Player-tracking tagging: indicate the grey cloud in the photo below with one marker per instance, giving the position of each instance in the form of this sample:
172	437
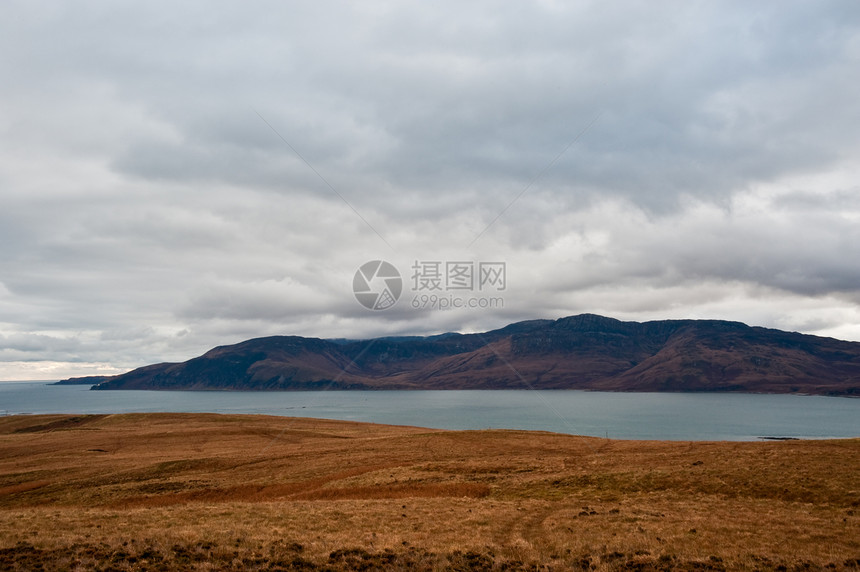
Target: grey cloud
28	343
688	94
143	196
784	248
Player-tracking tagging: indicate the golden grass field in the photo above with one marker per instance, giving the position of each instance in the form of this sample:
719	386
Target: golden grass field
247	492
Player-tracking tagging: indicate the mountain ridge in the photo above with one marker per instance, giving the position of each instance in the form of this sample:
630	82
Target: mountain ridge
585	351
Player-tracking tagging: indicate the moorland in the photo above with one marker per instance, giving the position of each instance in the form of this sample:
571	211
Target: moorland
246	492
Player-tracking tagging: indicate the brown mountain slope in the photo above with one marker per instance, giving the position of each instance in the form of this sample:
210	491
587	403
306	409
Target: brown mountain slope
578	352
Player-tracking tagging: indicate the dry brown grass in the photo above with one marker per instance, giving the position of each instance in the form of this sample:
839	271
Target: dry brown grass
207	492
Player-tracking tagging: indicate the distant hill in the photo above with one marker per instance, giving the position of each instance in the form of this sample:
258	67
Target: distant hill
578	352
88	380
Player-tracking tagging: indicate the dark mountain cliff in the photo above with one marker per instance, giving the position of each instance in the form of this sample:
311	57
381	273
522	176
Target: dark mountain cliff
578	352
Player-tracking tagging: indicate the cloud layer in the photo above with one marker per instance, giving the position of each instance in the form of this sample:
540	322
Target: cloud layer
175	179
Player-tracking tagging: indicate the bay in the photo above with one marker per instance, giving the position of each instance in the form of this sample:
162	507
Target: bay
669	416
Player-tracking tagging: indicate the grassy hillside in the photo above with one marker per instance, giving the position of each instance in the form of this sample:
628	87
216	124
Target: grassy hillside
207	492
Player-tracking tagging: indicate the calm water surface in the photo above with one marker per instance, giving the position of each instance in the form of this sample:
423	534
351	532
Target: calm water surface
675	416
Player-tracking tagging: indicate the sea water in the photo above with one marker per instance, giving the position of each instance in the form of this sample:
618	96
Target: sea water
673	416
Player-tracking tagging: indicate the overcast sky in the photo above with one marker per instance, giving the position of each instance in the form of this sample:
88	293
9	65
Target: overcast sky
178	178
